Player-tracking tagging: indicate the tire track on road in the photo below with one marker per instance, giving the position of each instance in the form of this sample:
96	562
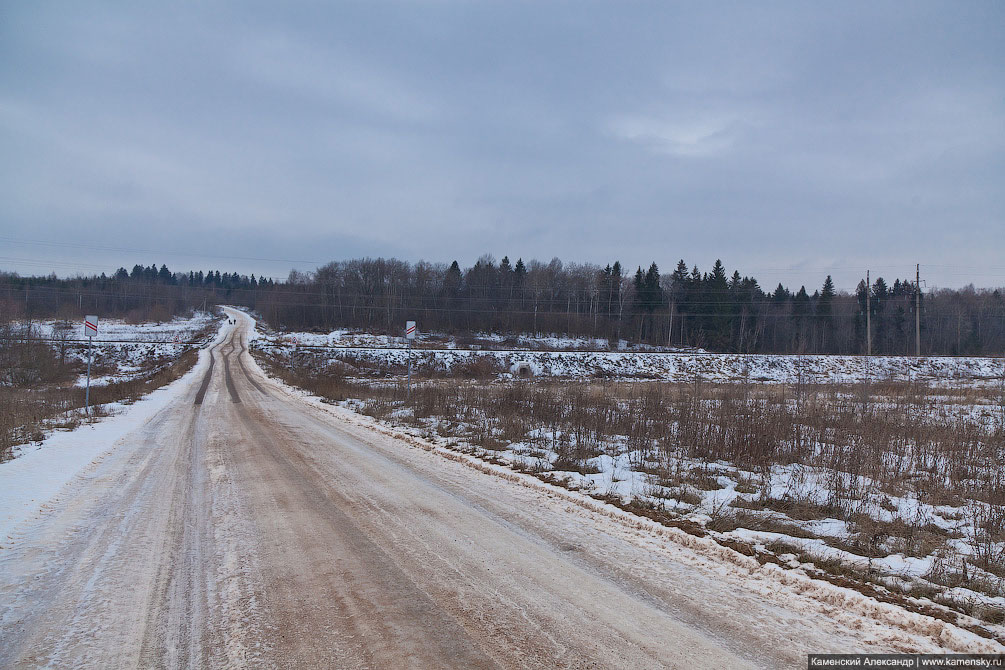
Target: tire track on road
240	361
229	378
201	395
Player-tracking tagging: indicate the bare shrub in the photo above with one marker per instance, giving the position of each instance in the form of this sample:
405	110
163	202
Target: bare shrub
478	367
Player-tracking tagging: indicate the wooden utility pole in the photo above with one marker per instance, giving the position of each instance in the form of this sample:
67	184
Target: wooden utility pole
868	315
917	310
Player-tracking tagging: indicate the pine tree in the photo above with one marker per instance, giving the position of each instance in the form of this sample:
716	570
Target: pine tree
519	274
716	295
679	275
800	311
452	282
735	282
653	291
879	291
639	299
827	293
801	303
506	277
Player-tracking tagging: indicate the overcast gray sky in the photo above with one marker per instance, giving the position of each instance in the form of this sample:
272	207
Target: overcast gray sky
791	140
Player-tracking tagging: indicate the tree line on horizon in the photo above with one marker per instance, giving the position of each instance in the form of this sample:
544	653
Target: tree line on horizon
713	309
146	293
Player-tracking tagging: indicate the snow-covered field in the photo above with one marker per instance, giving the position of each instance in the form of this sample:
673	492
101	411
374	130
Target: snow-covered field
179	329
389	352
138	347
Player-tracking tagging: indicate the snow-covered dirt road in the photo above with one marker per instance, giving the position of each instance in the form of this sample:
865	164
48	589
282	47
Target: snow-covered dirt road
242	526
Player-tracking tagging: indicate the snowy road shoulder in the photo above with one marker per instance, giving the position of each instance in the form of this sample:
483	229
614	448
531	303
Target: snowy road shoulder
39	472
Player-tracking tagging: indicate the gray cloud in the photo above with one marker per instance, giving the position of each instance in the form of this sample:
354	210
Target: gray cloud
788	139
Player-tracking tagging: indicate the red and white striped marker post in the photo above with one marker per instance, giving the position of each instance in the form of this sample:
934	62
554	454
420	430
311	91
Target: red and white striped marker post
90	330
409	335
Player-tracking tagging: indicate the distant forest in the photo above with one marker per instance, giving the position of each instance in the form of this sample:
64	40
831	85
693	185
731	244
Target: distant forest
713	309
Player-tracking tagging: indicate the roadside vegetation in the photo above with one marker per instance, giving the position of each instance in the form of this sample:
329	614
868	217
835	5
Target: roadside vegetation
40	369
895	488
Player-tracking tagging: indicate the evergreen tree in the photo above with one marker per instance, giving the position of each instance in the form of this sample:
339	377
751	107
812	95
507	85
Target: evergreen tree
506	278
452	282
825	318
696	278
679	276
653	290
879	292
519	275
639	284
716	294
801	303
826	301
641	304
717	280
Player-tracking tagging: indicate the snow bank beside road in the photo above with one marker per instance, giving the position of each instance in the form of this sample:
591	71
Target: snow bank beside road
38	473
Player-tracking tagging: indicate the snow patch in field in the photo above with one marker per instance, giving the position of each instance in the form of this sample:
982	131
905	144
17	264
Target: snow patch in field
145	343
